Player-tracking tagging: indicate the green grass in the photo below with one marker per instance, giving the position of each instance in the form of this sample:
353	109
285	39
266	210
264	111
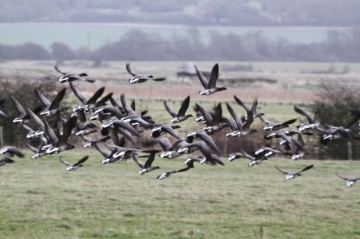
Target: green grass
41	200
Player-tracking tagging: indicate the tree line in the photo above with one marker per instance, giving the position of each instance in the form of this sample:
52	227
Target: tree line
195	12
339	46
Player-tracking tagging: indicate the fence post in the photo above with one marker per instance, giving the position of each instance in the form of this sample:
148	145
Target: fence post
349	150
1	137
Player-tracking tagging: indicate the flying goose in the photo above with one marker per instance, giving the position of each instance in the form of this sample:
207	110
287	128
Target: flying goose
180	115
11	151
275	126
214	122
51	108
72	167
209	86
240	129
169	173
6	160
168	150
69	77
137	78
23	117
299	145
312	121
147	166
254	160
290	175
349	181
59	141
89	142
158	130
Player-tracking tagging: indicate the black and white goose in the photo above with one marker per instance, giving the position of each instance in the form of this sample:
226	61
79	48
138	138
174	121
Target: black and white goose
11	151
350	181
169	173
209	85
238	128
158	130
69	77
51	108
22	117
312	121
72	167
291	175
181	114
272	126
147	166
137	78
5	160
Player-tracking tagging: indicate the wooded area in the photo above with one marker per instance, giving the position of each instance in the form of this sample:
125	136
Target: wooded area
139	46
197	12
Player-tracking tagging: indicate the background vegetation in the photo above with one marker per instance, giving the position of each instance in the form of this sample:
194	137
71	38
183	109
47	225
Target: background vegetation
339	46
197	12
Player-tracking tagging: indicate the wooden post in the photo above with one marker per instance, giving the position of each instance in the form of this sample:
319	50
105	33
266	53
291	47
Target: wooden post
349	150
1	137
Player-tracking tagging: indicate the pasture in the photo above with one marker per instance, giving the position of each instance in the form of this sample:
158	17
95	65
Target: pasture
41	200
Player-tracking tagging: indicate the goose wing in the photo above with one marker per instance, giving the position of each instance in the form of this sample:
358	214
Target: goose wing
302	112
306	168
82	160
58	98
58	69
171	112
78	93
131	72
202	78
44	101
64	162
281	170
19	108
213	77
184	106
345	178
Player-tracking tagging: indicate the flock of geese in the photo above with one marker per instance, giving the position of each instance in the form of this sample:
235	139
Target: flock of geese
121	125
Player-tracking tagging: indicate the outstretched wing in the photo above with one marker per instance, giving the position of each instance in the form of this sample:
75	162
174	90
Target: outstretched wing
64	162
58	70
213	77
202	78
82	160
281	170
306	168
131	72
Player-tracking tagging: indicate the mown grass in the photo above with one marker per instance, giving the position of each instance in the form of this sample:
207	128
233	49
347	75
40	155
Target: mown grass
41	200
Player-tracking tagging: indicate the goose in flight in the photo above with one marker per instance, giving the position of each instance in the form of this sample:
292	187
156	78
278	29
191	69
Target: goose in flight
72	167
290	175
137	78
210	85
69	77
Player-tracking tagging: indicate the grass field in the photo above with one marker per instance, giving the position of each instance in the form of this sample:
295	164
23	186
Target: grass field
94	35
41	200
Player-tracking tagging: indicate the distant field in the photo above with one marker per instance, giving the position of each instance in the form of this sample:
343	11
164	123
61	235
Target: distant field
41	200
291	87
94	35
